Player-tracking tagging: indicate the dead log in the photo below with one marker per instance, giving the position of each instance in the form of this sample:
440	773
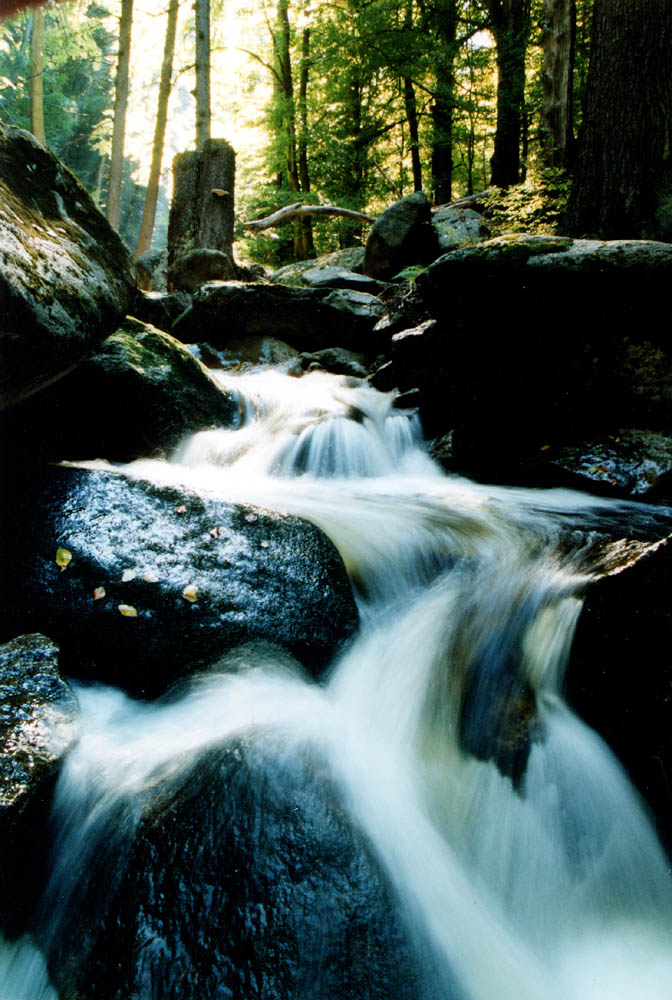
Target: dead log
299	211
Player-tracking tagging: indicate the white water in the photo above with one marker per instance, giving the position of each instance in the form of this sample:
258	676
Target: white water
550	886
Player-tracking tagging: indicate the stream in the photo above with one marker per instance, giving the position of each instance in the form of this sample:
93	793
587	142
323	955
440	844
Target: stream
514	843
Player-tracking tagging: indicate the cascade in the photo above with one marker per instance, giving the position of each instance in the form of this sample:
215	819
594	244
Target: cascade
519	855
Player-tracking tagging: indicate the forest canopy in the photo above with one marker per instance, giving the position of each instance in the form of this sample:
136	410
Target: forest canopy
356	103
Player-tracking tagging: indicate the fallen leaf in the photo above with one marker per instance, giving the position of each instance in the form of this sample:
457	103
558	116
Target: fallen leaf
182	509
150	577
251	518
98	593
190	593
63	558
128	575
264	544
215	532
128	611
545	447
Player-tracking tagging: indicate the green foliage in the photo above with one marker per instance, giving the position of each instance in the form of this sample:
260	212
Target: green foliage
537	206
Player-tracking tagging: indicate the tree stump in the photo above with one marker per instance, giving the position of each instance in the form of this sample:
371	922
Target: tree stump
201	212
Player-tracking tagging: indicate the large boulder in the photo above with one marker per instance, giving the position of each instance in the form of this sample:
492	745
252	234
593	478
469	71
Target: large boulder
338	277
160	309
141	584
539	341
245	878
137	395
456	226
308	319
193	269
619	677
402	236
39	719
66	278
352	259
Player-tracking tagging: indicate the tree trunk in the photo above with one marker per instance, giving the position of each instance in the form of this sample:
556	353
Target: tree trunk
412	119
510	25
120	104
202	8
201	210
37	76
152	196
624	157
444	102
557	121
306	243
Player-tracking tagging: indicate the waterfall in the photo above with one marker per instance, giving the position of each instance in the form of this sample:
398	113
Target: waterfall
516	846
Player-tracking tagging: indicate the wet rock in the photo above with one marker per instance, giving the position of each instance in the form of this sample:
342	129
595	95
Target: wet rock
245	353
152	270
336	360
619	677
39	720
457	226
138	395
628	462
247	879
66	278
160	309
338	277
307	318
161	581
352	259
193	269
402	236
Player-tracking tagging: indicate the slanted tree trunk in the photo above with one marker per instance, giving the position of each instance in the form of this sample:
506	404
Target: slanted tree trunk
624	157
444	101
152	196
37	75
120	105
557	120
510	21
202	8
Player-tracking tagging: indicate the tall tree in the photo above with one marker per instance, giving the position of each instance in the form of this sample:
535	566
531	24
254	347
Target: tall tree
151	198
120	106
557	119
510	22
37	75
203	114
625	143
445	30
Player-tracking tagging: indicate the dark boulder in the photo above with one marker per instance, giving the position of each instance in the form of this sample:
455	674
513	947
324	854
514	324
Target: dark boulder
193	269
160	309
403	235
244	353
307	318
336	360
538	341
152	270
137	395
39	719
158	582
66	278
457	226
619	677
246	879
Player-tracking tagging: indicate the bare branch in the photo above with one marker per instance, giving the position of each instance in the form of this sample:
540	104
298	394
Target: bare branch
299	210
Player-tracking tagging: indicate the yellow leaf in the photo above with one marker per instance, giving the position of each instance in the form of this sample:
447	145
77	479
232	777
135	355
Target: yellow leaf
190	593
128	611
63	557
98	593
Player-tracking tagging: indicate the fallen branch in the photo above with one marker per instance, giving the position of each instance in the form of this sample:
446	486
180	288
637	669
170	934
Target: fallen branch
300	211
470	199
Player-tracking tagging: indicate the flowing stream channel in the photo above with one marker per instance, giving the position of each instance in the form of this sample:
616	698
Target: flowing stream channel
513	838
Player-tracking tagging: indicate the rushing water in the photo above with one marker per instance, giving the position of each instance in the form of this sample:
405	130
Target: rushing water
511	834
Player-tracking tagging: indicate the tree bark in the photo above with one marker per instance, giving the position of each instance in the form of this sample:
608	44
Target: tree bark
202	8
444	101
510	21
624	158
152	196
557	120
306	243
120	105
37	76
201	210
